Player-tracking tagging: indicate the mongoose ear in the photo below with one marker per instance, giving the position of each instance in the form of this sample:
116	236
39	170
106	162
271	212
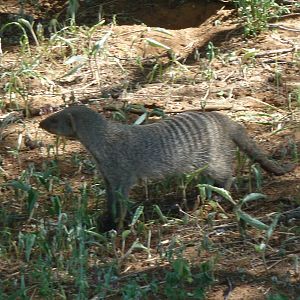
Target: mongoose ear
72	122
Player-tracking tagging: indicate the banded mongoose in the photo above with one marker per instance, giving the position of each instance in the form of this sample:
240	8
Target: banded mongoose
181	144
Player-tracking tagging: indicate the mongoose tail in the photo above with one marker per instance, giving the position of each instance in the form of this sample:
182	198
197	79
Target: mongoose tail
247	145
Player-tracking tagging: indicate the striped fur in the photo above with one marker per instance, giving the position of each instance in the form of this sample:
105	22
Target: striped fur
181	144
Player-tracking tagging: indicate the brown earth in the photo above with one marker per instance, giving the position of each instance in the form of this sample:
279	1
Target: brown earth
256	87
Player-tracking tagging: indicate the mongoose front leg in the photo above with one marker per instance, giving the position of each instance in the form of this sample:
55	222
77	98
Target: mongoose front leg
116	204
111	202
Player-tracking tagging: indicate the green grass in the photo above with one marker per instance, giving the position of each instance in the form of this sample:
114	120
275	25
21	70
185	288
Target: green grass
256	14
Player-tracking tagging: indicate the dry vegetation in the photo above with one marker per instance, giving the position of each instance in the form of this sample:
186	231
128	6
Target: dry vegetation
244	247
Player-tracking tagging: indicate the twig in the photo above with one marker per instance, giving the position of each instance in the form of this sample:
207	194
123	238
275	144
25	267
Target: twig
268	105
281	40
206	108
273	52
283	27
228	76
228	290
131	32
291	15
275	263
185	213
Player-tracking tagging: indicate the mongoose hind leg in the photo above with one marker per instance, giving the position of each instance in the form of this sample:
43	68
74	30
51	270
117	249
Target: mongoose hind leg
228	183
221	175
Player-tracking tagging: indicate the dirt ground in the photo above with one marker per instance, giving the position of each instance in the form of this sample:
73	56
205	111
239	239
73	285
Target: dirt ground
255	81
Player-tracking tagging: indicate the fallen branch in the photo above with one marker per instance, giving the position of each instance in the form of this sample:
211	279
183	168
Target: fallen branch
209	107
283	27
273	52
7	119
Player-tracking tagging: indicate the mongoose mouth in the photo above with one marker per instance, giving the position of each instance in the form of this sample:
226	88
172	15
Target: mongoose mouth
44	126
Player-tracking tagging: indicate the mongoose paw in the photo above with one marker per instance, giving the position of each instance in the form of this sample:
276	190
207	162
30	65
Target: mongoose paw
105	223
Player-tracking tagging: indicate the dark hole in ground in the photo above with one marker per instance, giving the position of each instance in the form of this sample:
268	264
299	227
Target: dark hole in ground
170	14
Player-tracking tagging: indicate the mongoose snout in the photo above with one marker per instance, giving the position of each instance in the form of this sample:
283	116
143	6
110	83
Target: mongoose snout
58	126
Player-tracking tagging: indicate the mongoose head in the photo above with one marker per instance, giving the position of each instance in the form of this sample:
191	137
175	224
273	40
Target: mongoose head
62	123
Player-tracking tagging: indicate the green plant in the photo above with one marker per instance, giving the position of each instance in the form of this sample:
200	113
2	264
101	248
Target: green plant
211	51
257	177
295	95
158	68
277	297
262	247
157	71
72	10
185	180
122	255
41	273
26	243
94	49
18	82
255	14
24	41
240	214
133	290
182	283
27	191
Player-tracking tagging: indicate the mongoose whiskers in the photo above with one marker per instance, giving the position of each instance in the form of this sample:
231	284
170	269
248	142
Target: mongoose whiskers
181	144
